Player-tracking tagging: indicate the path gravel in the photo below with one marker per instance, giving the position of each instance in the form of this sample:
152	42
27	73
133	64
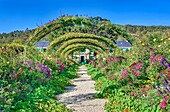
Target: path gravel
80	97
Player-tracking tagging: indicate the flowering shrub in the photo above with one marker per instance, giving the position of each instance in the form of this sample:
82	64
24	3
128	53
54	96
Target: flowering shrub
31	83
135	86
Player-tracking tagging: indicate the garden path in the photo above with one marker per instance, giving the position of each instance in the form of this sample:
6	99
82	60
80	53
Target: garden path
80	98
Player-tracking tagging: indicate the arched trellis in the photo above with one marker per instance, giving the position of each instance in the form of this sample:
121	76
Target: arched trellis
84	41
67	50
81	45
63	25
67	39
70	36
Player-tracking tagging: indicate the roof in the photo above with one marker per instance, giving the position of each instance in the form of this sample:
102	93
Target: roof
123	43
42	44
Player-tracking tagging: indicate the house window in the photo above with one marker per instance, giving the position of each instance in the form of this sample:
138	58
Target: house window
83	50
44	49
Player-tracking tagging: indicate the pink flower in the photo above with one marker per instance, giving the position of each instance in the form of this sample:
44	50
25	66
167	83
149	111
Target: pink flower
152	102
163	104
137	74
124	72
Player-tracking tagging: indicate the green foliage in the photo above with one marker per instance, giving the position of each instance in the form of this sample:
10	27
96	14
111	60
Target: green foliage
125	78
25	87
76	24
79	41
129	84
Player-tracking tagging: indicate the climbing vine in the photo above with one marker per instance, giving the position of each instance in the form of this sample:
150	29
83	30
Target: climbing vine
76	41
72	48
63	25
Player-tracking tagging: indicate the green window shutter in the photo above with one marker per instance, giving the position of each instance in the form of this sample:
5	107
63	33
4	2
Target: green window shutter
83	50
53	50
38	50
111	49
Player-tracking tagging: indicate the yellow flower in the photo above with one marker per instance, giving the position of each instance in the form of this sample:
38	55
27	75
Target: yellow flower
168	38
165	42
161	38
7	62
143	44
169	50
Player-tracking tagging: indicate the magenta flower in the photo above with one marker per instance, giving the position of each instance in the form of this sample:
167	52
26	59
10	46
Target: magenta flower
163	104
124	72
137	73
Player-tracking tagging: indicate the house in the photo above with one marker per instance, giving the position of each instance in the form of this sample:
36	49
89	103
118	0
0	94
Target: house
124	45
84	55
42	45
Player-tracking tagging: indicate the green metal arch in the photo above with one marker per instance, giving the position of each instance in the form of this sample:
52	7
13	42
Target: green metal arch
71	36
81	46
76	41
71	50
60	26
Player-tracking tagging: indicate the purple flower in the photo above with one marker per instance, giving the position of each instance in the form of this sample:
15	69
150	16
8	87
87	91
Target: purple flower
161	74
167	89
159	91
153	87
164	63
166	81
168	65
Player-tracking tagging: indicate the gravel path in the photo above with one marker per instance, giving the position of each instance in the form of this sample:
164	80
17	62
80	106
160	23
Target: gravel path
80	97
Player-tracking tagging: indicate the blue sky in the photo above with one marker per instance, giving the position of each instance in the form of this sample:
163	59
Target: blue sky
22	14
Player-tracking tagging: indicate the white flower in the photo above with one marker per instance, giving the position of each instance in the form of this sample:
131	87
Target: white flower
159	45
154	40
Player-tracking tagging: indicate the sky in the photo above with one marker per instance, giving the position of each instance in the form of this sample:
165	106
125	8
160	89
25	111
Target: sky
22	14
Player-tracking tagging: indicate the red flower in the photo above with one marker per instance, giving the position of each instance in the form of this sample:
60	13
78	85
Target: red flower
157	76
143	86
166	97
134	63
164	71
16	76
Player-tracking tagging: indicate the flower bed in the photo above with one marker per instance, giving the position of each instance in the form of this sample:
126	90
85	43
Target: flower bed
140	86
32	84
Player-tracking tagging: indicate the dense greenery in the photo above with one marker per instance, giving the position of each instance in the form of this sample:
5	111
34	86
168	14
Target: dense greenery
31	83
132	80
22	36
137	80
